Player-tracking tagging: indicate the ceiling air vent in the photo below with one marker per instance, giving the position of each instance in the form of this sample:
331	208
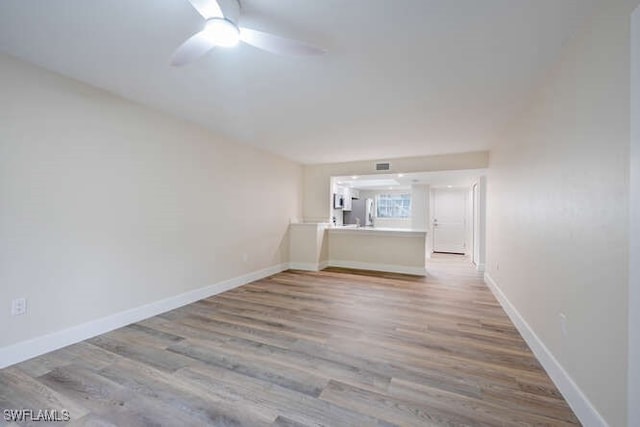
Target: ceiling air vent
383	166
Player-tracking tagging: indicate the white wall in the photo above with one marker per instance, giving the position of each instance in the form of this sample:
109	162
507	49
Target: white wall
420	207
106	205
558	211
308	246
634	232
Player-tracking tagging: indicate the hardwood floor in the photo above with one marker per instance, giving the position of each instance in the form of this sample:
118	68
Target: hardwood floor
335	348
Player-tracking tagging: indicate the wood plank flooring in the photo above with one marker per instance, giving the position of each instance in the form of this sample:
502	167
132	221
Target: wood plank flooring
334	348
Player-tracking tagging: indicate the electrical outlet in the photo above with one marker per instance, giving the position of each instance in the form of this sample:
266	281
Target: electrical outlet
18	306
563	324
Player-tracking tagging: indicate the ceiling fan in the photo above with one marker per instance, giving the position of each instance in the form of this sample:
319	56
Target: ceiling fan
221	29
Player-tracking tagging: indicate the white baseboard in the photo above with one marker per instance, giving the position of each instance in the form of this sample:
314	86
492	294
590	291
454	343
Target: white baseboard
480	268
307	266
390	268
25	350
582	407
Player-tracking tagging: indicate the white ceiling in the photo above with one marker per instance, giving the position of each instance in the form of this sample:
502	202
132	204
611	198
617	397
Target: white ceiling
401	77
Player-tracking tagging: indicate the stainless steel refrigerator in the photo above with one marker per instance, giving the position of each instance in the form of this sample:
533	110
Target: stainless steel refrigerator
361	213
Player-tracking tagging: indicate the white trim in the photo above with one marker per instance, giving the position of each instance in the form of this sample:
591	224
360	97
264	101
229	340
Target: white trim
25	350
396	232
582	407
310	224
316	219
633	374
480	268
390	268
307	266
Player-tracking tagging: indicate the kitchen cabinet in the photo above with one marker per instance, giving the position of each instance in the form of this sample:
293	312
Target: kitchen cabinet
347	199
346	194
393	250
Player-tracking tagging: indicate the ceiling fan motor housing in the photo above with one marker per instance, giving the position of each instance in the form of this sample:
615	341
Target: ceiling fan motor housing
231	10
222	31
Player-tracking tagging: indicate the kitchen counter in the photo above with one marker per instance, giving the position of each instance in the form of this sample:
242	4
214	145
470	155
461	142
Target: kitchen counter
374	230
316	246
394	250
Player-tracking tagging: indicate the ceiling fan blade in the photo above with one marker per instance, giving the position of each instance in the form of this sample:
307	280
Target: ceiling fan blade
195	46
207	8
277	44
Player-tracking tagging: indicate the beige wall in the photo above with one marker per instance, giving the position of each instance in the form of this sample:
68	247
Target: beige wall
420	207
558	210
106	205
308	246
317	194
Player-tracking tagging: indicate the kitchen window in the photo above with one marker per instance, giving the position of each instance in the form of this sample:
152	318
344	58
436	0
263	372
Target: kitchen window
393	205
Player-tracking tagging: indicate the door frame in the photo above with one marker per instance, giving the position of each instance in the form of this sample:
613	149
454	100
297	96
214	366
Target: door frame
633	375
475	224
479	221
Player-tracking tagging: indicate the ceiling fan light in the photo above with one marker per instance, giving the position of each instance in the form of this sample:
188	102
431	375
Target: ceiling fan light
222	32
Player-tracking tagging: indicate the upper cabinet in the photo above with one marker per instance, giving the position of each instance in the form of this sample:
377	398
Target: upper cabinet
347	199
346	194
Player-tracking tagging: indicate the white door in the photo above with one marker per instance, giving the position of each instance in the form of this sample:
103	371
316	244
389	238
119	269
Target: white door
449	211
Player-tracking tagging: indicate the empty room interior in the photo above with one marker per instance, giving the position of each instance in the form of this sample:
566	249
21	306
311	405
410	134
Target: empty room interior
320	213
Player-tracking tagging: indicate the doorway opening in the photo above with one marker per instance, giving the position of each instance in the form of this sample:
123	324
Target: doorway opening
476	224
408	200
